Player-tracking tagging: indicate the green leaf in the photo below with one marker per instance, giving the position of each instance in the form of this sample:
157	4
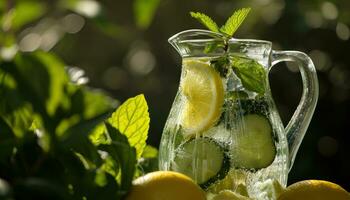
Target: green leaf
121	150
221	65
251	73
23	13
111	166
148	162
108	189
87	183
132	120
58	80
77	138
19	119
41	79
14	110
206	21
96	102
7	143
99	136
150	152
83	129
144	11
80	104
233	23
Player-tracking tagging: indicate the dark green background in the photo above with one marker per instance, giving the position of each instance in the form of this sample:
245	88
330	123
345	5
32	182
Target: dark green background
125	59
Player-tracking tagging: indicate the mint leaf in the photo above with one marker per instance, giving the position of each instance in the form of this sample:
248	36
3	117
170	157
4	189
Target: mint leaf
148	162
221	65
98	135
206	21
234	21
38	81
121	150
132	120
150	152
15	112
251	73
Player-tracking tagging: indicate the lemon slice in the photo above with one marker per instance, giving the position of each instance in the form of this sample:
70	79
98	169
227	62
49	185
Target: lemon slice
202	86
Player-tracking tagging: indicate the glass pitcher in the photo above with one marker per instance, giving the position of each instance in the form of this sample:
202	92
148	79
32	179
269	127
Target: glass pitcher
224	130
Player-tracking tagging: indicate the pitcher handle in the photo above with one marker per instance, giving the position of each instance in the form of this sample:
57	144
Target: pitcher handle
301	118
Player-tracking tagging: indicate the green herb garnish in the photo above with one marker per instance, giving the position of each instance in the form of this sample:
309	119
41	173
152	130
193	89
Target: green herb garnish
231	25
221	65
235	21
249	71
206	21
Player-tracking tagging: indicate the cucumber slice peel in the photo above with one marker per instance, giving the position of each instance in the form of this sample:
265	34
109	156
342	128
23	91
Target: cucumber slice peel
253	147
202	159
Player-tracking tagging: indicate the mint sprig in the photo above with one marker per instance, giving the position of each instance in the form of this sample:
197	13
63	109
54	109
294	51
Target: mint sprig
206	21
250	72
231	25
235	21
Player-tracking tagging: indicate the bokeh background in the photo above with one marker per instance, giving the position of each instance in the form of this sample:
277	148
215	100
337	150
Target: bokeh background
122	47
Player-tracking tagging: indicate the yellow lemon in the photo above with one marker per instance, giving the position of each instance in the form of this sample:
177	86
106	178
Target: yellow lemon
165	185
314	190
203	89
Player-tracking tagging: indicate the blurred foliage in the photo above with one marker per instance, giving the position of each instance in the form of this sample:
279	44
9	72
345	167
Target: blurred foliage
122	47
45	121
52	21
149	161
59	138
22	14
144	11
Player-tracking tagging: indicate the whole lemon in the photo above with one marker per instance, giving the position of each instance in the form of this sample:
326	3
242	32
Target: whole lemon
314	189
165	185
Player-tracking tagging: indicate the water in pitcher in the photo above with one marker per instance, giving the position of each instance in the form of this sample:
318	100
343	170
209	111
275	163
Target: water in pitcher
221	134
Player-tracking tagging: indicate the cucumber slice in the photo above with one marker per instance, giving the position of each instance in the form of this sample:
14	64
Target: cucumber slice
253	106
253	147
236	105
202	159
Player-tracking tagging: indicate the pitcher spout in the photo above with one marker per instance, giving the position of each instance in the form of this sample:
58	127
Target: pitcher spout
195	42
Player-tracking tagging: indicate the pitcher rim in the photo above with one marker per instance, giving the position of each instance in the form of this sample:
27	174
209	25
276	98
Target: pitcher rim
216	37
